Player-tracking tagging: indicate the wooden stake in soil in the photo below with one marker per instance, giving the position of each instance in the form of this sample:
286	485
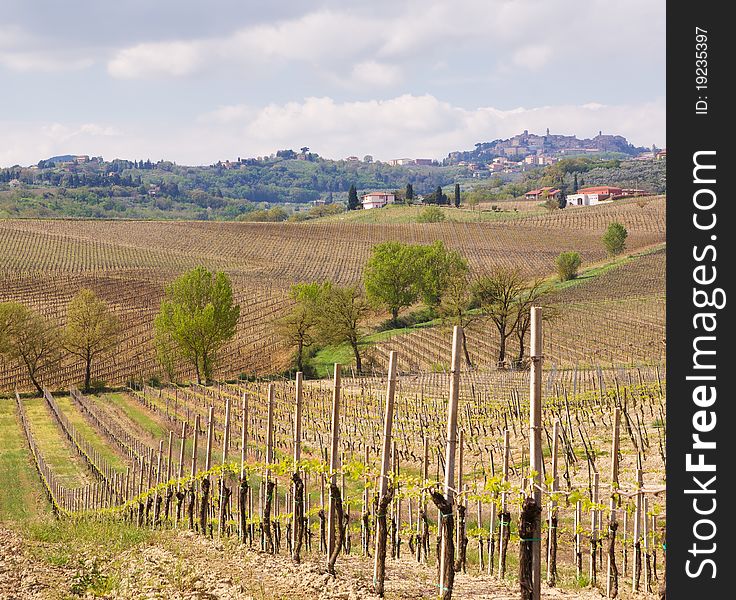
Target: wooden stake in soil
384	498
225	440
552	525
612	570
504	518
334	460
298	488
447	553
535	446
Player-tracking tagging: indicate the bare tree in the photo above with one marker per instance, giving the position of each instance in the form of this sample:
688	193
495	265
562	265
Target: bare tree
27	338
91	330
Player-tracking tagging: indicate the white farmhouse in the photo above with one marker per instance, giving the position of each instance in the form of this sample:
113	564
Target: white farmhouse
377	199
593	195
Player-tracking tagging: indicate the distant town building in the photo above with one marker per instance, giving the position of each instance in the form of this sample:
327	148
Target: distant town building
398	162
80	159
377	199
423	161
352	159
661	154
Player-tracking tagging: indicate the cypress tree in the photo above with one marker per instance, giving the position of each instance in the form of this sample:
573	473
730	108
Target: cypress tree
409	193
457	195
353	203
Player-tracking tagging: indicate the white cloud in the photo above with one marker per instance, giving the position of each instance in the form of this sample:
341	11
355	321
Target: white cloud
415	126
21	51
532	57
423	126
151	60
374	74
332	40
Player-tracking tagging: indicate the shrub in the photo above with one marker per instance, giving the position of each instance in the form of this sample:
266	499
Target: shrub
568	264
615	238
431	214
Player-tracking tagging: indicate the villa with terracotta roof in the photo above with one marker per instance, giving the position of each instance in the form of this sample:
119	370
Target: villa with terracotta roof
543	193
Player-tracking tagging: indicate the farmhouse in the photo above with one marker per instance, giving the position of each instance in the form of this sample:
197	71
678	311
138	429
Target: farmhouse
543	194
377	199
593	195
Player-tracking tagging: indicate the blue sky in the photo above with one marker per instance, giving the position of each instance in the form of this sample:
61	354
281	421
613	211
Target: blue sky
197	82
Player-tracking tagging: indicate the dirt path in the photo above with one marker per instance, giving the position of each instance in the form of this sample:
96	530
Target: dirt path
184	566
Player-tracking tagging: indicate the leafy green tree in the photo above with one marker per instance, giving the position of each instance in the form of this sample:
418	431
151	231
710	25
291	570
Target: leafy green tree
567	264
615	239
457	195
342	311
300	327
29	339
439	196
353	202
91	330
390	277
431	214
200	316
436	265
409	193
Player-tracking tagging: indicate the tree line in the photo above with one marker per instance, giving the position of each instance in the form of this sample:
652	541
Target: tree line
398	276
196	318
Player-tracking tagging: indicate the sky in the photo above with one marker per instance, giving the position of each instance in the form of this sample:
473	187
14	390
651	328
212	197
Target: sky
196	82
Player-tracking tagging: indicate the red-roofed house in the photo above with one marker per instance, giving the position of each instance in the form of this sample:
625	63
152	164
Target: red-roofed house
543	194
593	195
377	199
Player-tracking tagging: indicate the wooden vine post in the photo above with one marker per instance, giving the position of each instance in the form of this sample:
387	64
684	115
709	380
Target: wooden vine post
269	485
504	518
611	569
553	517
243	489
225	439
530	575
298	488
333	546
204	505
193	484
637	528
385	492
447	551
179	492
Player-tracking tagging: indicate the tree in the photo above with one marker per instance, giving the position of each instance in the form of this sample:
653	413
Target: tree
523	305
457	301
439	196
457	195
91	330
615	238
390	277
436	264
567	264
431	214
26	337
342	309
409	193
299	327
497	295
353	202
200	316
551	203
